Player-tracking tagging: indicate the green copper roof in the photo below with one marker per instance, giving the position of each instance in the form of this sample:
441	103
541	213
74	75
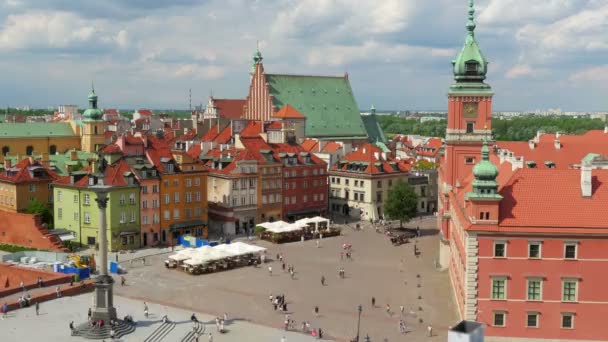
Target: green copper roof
590	157
35	129
326	101
382	146
484	184
92	113
470	66
62	161
373	129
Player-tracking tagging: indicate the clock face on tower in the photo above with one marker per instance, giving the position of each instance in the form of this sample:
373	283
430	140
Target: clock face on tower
470	110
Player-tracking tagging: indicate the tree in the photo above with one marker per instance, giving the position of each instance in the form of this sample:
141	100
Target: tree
424	165
37	207
402	203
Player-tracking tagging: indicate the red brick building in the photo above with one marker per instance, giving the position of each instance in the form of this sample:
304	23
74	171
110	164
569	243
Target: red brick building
523	225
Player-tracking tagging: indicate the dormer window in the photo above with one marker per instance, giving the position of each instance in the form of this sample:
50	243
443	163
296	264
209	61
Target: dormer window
471	67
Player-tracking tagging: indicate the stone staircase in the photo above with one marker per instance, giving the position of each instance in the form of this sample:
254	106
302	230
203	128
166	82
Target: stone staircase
199	330
161	332
122	328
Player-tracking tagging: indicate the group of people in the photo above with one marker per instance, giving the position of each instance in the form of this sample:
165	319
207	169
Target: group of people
219	323
279	302
25	300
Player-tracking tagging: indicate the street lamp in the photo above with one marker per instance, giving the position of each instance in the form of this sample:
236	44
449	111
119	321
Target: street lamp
359	308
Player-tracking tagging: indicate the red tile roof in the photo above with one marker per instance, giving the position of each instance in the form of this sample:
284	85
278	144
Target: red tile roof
532	199
275	125
111	149
230	108
573	148
211	134
145	112
332	147
114	176
224	137
111	112
310	145
253	129
22	172
190	135
195	151
288	112
430	149
372	155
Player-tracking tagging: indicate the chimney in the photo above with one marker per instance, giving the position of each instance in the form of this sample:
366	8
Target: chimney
73	155
364	150
532	144
606	129
558	145
377	155
537	138
557	135
586	188
7	164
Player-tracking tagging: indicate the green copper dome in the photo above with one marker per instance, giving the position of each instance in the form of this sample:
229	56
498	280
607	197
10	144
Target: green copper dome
92	113
470	65
485	170
257	59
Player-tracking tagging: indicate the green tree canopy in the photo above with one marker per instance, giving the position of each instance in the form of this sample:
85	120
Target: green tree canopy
402	202
37	207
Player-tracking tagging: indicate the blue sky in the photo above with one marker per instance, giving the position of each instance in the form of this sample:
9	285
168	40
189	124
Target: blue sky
148	53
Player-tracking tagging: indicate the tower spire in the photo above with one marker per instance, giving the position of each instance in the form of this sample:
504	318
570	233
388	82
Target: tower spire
92	87
471	22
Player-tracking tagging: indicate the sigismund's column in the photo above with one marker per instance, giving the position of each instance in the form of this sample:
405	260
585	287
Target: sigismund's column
104	303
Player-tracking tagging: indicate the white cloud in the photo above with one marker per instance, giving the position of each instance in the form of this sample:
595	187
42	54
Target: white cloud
517	11
592	74
52	30
523	70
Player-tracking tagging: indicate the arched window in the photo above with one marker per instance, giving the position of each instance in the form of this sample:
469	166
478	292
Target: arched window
5	150
52	149
29	150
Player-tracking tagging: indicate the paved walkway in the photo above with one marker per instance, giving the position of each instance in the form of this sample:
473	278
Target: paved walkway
55	316
378	269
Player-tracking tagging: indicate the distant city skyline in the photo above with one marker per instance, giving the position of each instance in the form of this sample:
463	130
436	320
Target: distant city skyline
549	54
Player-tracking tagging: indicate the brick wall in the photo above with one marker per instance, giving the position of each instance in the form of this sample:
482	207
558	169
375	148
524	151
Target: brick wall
25	230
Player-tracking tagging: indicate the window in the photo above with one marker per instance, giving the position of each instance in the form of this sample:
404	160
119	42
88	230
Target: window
567	320
293	173
75	216
500	249
356	183
469	160
264	198
499	319
390	182
188	213
122	199
569	290
131	239
167	215
305	198
132	199
59	196
144	219
176	213
176	197
252	199
287	200
251	183
305	184
87	218
534	289
175	182
90	240
286	185
188	197
321	197
144	204
380	185
293	199
123	217
167	199
154	203
154	188
59	213
29	150
499	288
32	187
156	218
534	250
166	183
293	185
532	320
144	189
133	216
197	212
197	196
470	126
379	196
197	181
87	199
570	250
75	198
188	182
124	240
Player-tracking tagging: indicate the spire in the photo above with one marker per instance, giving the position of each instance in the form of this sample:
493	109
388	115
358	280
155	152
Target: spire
257	57
373	110
92	113
485	185
471	23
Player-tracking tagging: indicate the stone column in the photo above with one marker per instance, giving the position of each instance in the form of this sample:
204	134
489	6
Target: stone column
104	306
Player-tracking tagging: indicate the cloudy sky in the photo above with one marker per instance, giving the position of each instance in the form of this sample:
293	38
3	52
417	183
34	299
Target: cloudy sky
148	53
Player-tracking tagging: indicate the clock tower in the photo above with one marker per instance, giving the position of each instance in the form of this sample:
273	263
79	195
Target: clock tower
469	109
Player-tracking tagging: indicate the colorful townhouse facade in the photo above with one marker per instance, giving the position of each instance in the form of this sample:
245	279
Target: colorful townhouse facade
27	181
523	232
75	208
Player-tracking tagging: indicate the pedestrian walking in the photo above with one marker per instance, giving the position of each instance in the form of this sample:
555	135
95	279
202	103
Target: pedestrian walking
430	331
418	231
322	280
317	243
225	316
283	266
112	334
58	291
388	309
89	313
143	261
373	302
71	325
37	308
401	308
145	309
210	337
22	285
270	270
4	310
283	339
123	281
316	311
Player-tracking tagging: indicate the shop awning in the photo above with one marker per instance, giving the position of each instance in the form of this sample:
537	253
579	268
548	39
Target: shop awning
63	234
129	233
187	224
